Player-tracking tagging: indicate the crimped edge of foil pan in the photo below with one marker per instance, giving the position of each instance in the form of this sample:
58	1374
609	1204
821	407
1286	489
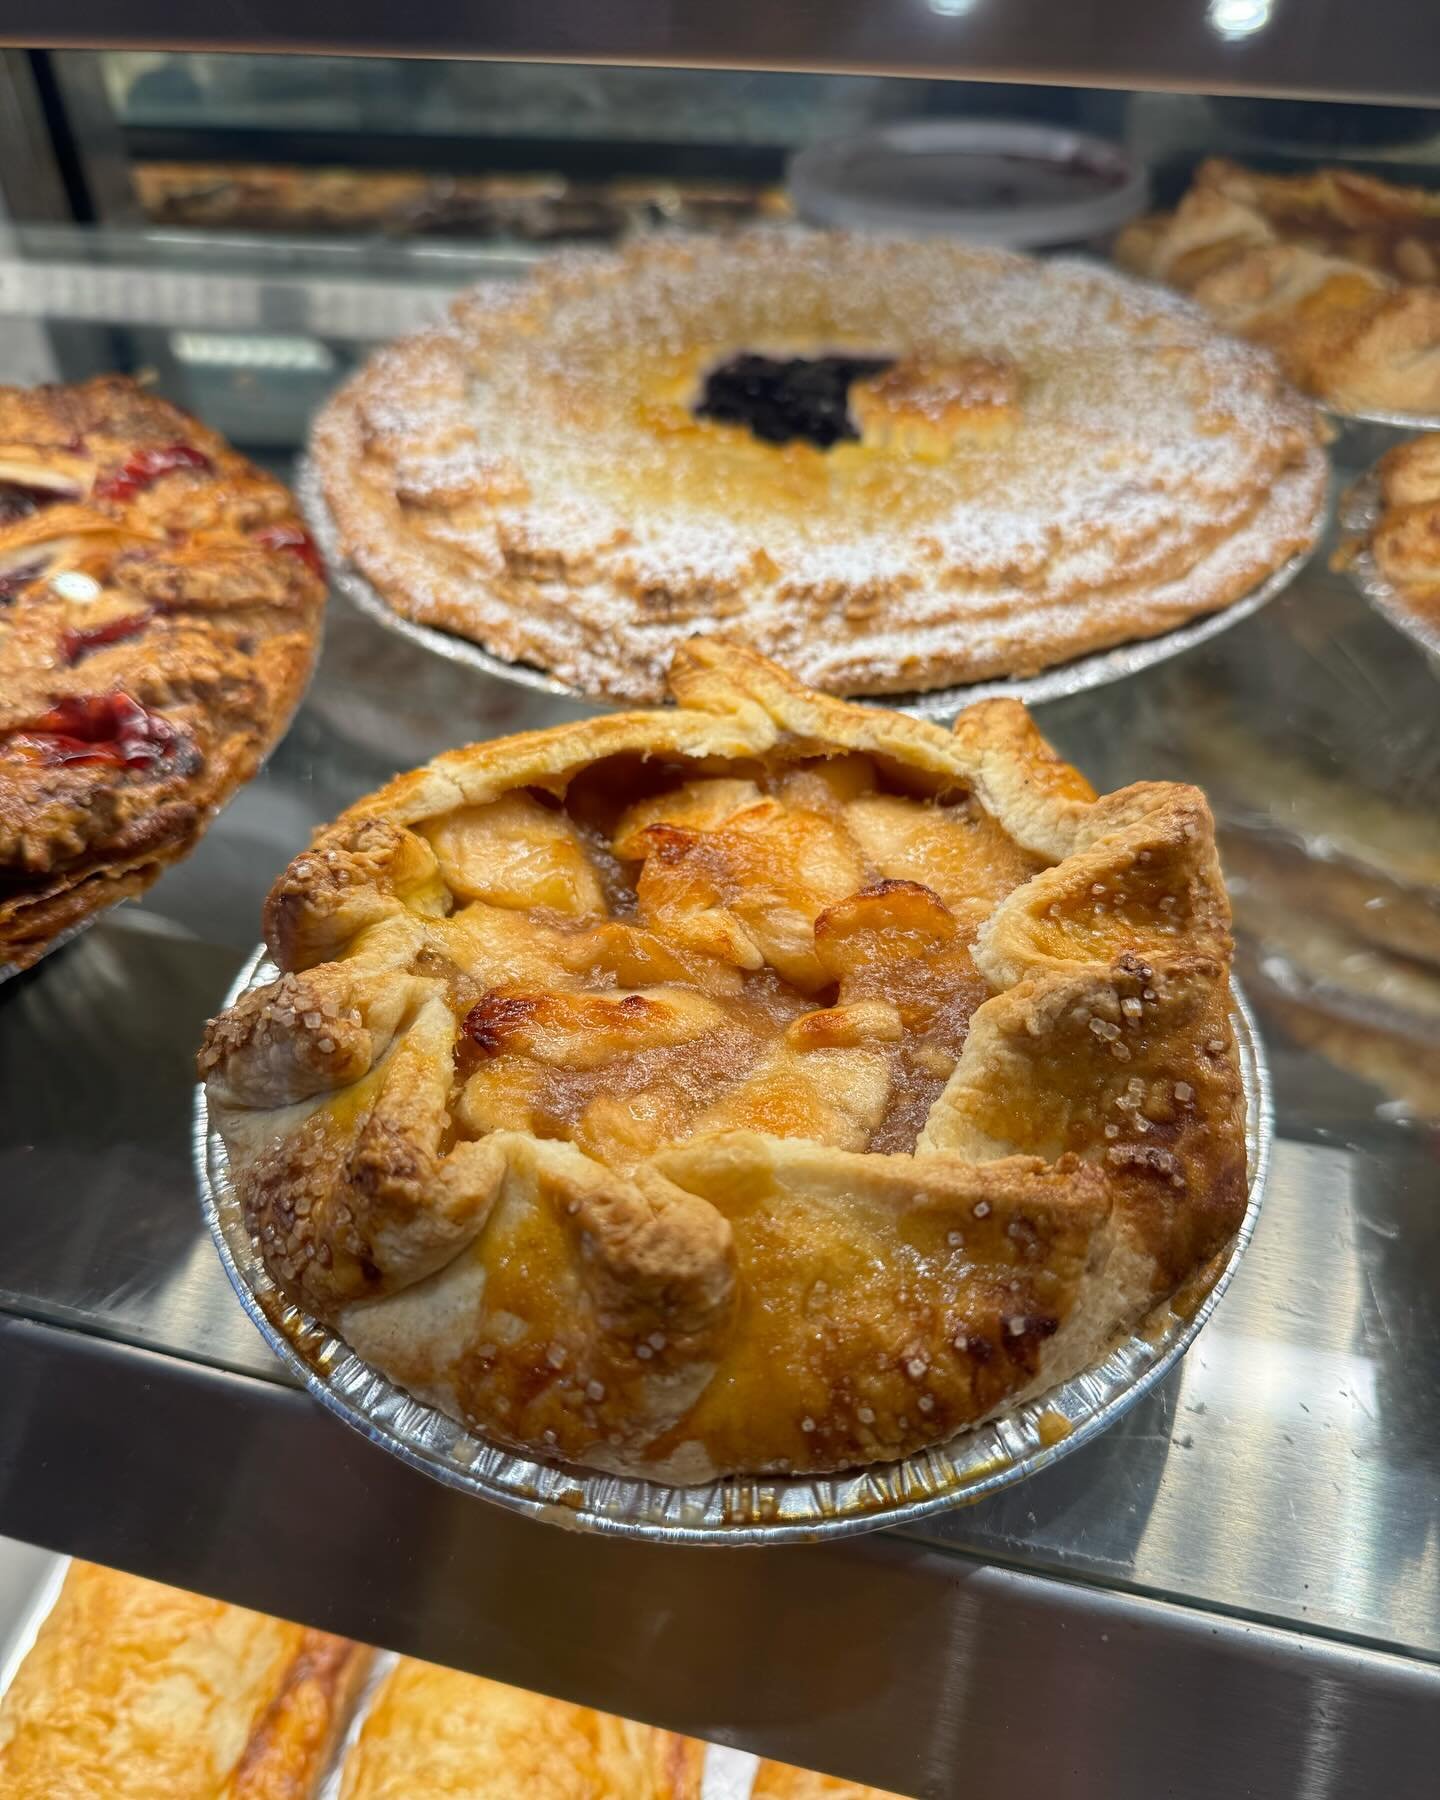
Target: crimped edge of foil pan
1359	511
1379	415
1077	677
740	1509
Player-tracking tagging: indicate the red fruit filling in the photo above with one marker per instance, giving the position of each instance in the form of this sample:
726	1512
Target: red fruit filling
145	466
292	538
79	640
96	728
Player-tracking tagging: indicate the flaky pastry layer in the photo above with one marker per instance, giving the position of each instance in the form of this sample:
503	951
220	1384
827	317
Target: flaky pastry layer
437	1734
1334	272
768	1083
134	1691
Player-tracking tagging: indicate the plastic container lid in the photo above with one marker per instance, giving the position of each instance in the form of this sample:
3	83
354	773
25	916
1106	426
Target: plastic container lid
994	182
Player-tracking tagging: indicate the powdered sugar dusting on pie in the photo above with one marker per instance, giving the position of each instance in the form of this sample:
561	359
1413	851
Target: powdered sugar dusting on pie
532	475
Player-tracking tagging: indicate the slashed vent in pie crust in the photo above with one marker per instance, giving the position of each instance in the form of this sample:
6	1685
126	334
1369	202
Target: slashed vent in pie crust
160	607
764	1084
891	465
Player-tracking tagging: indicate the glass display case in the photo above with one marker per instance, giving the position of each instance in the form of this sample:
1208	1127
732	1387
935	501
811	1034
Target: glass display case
1236	1588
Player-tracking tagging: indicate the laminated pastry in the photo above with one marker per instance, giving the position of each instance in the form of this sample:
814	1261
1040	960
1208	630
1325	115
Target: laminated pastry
1338	273
892	466
134	1691
1404	541
160	607
435	1734
768	1083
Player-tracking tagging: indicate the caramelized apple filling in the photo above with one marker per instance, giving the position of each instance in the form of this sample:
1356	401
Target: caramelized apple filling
787	953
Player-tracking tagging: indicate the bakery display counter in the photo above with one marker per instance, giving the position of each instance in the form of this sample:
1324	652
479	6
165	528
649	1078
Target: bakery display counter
1243	46
1257	1541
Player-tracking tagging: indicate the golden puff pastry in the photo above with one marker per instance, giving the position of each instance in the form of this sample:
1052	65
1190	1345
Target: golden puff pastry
435	1734
134	1691
1337	273
769	1083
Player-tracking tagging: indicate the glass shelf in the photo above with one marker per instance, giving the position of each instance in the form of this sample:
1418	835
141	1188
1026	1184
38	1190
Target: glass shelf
1285	1482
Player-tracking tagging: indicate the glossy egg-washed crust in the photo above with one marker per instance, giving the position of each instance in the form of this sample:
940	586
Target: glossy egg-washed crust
137	695
436	1734
761	1295
1336	272
140	1692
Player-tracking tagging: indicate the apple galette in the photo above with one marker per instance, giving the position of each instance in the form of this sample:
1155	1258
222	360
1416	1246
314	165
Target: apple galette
891	465
768	1083
1336	272
160	605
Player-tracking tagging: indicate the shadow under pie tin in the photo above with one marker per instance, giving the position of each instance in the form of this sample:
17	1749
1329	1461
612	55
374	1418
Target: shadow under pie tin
738	1509
940	704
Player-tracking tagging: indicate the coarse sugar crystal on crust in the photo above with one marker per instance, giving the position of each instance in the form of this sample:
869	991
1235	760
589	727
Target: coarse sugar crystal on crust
160	605
766	1083
1050	461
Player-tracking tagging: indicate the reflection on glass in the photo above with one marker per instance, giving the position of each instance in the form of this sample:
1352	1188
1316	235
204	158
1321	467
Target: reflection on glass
1238	18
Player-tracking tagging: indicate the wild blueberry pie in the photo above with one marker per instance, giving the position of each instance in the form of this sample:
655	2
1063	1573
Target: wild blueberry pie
892	466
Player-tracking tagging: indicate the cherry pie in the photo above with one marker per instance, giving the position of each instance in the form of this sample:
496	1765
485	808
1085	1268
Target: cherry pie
768	1083
160	606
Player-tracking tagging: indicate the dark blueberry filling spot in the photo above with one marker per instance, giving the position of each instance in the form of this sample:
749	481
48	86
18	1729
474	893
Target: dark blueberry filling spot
805	397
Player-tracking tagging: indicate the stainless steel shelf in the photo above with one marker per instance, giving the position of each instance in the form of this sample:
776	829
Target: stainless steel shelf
1235	1590
1382	50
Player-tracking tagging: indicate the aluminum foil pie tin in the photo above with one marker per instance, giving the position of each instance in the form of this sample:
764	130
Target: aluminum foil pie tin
941	704
9	970
1359	512
739	1509
1400	421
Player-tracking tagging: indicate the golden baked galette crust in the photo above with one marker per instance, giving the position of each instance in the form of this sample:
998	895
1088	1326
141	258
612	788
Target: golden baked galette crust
769	1083
159	611
890	465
